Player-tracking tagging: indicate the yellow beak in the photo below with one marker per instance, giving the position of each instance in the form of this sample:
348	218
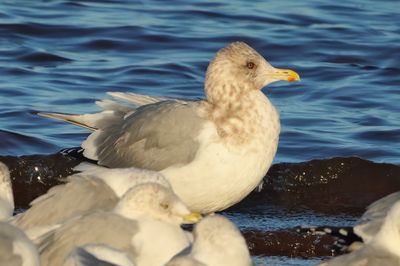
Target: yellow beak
193	217
286	74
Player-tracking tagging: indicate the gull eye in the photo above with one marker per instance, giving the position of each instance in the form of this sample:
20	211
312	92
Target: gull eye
164	205
250	65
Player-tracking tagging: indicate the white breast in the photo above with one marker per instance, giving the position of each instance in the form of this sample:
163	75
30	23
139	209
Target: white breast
222	175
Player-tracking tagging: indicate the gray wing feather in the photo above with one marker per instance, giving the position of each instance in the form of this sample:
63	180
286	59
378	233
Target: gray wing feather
96	228
9	236
79	196
84	258
154	137
184	261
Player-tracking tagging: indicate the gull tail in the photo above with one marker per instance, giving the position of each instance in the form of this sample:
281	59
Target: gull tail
78	120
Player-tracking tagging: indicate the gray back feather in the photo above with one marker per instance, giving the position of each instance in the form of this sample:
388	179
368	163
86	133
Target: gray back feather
184	261
86	259
79	196
97	228
10	234
154	137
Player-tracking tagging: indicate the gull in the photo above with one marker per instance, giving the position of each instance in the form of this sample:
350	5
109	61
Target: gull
214	151
6	193
16	248
379	228
374	217
145	224
95	188
217	242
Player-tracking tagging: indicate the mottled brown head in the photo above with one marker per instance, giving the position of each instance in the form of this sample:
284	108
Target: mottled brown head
240	67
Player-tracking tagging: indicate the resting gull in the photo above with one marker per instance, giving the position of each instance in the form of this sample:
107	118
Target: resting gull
93	189
6	193
145	225
217	242
379	228
214	151
15	247
375	216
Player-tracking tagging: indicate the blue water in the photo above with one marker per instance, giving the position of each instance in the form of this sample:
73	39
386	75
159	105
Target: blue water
62	55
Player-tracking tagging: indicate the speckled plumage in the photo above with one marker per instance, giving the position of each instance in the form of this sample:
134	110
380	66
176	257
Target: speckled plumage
214	151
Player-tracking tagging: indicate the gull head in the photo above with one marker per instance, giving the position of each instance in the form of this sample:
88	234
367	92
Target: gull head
217	241
155	201
240	66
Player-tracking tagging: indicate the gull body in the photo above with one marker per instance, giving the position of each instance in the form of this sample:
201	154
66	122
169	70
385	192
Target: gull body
97	254
145	225
6	193
15	247
379	228
94	188
214	151
374	217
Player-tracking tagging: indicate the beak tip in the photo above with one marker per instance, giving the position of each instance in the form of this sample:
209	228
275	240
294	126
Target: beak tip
287	75
293	76
193	217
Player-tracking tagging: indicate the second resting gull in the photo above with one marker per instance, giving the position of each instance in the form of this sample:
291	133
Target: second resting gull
215	151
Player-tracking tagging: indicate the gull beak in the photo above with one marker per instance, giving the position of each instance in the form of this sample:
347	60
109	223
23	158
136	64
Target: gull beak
191	218
285	74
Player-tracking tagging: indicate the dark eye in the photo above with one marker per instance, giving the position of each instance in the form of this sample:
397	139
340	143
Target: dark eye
164	205
250	65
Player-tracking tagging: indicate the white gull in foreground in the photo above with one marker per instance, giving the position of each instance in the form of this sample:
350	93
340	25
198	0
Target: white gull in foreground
6	193
379	228
97	255
217	242
215	151
95	188
145	225
15	247
375	216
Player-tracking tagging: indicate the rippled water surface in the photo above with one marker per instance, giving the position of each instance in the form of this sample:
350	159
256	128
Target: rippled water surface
62	55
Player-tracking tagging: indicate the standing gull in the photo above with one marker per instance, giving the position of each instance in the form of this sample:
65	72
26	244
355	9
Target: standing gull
214	151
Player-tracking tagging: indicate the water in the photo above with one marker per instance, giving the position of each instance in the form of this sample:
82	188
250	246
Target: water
62	55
